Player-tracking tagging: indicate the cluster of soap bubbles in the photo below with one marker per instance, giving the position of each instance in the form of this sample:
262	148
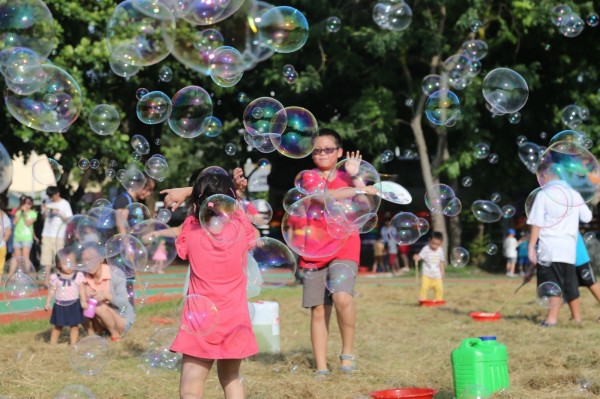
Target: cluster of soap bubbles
290	75
392	15
292	131
574	115
569	23
441	199
157	356
407	228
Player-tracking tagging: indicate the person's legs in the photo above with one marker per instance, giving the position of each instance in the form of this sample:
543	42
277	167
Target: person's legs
47	256
575	310
229	377
55	334
109	319
405	263
438	289
193	376
345	311
319	332
74	335
25	269
425	283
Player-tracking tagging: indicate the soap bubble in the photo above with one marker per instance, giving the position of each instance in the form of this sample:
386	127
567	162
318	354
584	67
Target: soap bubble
165	74
392	15
573	164
495	197
192	106
475	49
47	171
94	163
230	149
158	355
21	285
292	196
505	90
476	25
259	212
133	178
521	140
459	257
558	12
226	66
508	211
573	116
310	182
529	154
75	392
199	315
101	203
159	241
30	109
571	136
277	264
453	207
104	119
124	60
592	20
486	211
442	107
194	46
90	355
164	215
141	93
214	127
22	72
339	277
493	158
423	226
307	231
136	156
406	227
291	77
481	150
387	156
84	164
28	24
467	181
438	197
126	253
431	84
458	67
209	12
146	25
333	24
514	118
491	249
549	295
259	114
571	25
155	107
299	132
219	217
552	202
283	29
157	167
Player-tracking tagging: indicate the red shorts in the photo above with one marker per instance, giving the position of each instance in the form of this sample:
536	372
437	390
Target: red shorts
392	258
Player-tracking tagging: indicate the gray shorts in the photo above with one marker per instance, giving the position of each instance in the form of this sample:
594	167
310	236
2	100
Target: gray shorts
22	244
319	285
511	260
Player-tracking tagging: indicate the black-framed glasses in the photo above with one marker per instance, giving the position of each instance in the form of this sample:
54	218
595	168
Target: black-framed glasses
328	151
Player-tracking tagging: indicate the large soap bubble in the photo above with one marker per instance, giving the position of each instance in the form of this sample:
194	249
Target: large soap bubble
442	108
431	84
259	113
392	15
104	119
159	240
573	164
283	29
486	211
127	253
406	228
155	107
157	167
209	12
529	154
438	198
219	217
195	45
549	295
192	109
21	68
307	231
277	264
47	171
551	205
505	91
310	181
147	25
90	355
132	178
226	66
140	144
199	315
299	129
6	169
571	25
475	49
459	257
31	111
27	23
124	60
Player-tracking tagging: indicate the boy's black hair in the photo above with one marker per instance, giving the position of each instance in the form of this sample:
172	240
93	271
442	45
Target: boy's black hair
331	133
437	235
50	191
207	185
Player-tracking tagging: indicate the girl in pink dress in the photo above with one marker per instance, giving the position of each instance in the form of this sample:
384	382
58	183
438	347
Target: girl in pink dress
218	274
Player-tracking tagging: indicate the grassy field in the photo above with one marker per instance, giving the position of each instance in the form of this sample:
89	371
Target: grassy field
398	345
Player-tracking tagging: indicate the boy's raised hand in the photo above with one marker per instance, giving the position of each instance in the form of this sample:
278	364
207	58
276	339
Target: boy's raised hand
353	162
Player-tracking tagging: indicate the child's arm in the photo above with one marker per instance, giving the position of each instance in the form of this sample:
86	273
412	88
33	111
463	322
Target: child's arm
51	291
82	296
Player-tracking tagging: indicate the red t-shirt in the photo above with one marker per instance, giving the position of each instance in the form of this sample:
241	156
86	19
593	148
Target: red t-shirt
351	249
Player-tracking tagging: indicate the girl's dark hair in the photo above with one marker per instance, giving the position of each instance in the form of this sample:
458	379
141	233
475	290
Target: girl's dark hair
24	199
207	185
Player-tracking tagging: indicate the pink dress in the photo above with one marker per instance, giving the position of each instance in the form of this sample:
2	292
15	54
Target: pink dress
218	271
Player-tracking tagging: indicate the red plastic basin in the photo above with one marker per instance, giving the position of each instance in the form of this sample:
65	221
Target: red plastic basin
486	316
402	393
431	302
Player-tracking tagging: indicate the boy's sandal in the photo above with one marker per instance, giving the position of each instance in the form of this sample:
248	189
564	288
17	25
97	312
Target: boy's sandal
321	373
350	368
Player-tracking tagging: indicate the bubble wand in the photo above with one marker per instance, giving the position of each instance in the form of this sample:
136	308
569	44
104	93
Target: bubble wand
525	281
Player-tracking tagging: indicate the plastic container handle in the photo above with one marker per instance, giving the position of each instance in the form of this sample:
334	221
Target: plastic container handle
470	342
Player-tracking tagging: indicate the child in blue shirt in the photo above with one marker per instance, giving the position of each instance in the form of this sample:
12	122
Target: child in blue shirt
585	273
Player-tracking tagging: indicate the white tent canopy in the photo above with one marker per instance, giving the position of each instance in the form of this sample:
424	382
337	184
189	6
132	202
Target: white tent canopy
23	175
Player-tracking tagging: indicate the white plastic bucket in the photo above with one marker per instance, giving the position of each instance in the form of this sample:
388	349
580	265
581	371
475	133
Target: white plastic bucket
265	324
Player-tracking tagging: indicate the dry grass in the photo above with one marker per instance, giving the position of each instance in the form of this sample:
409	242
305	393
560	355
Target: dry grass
398	345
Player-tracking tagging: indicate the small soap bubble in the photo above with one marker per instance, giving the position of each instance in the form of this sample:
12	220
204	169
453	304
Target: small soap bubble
83	164
157	141
387	156
514	118
508	211
409	102
136	156
491	249
495	197
242	97
164	215
521	140
481	150
94	164
493	158
141	93
230	149
165	74
333	24
476	25
592	20
50	101
110	173
459	257
549	295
